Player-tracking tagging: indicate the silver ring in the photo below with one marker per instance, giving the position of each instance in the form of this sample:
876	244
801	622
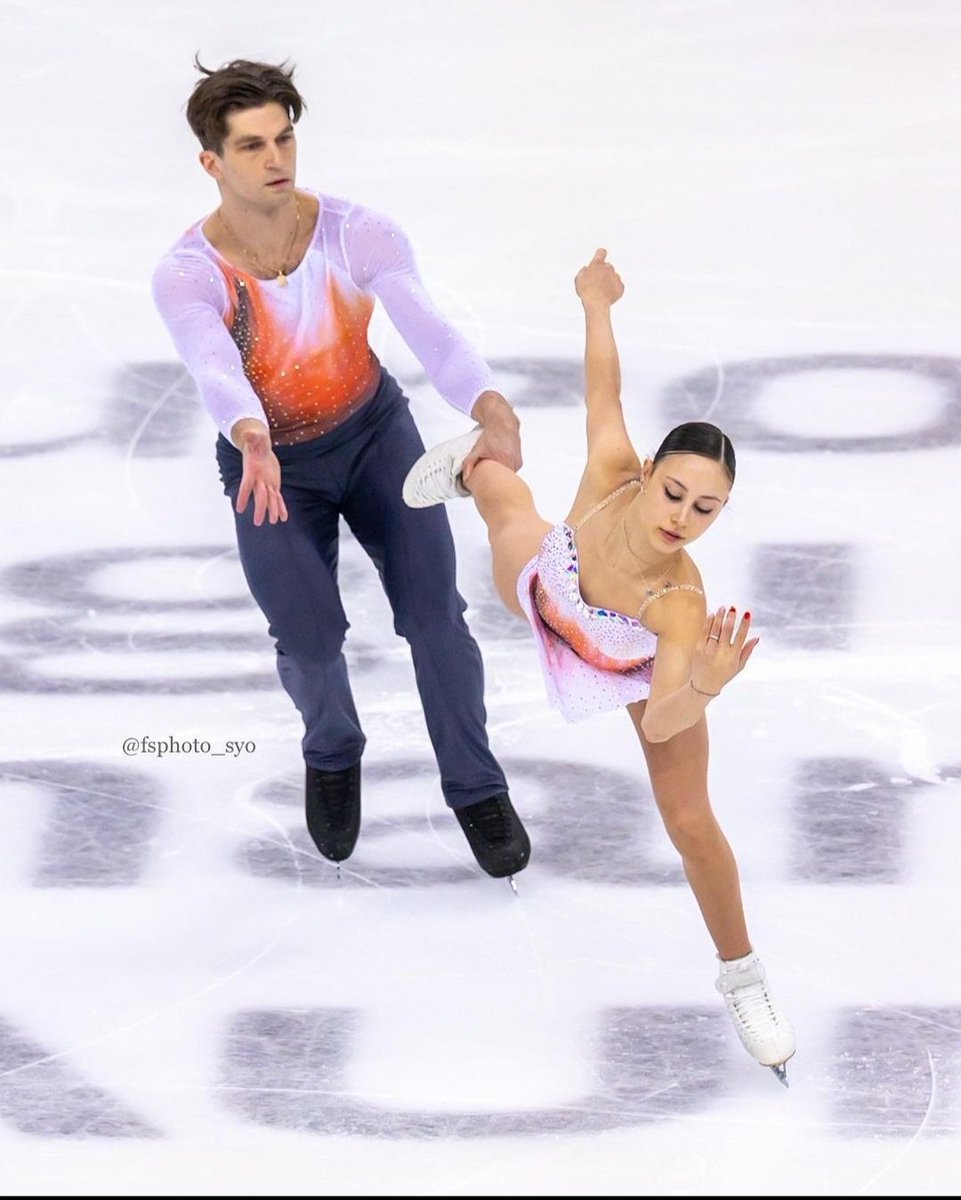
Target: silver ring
714	637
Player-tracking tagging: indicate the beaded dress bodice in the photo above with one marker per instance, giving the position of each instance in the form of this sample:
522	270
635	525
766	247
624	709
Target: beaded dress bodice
605	638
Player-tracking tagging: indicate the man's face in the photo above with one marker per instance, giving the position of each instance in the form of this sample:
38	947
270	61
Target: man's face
258	162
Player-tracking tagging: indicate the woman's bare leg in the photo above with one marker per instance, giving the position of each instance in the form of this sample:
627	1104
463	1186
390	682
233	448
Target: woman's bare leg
514	527
678	770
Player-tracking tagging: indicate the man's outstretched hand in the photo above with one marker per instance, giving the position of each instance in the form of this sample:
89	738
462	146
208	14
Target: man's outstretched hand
261	477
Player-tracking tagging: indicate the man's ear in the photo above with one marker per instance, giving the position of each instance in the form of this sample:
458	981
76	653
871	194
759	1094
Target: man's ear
211	163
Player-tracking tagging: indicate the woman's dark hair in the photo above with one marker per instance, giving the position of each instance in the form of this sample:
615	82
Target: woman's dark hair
235	86
699	437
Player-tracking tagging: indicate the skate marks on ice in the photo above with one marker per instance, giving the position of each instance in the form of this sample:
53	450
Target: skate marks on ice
617	852
892	1073
747	388
46	1097
151	410
95	615
848	824
888	1071
102	825
149	619
917	398
897	1071
855	821
288	1069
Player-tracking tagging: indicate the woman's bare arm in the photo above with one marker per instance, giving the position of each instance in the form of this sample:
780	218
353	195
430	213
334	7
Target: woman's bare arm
608	446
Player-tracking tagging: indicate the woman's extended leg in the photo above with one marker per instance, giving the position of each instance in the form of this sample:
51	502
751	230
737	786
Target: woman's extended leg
503	499
514	527
678	770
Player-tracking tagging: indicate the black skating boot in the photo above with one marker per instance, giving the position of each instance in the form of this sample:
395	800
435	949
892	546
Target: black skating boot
496	836
333	810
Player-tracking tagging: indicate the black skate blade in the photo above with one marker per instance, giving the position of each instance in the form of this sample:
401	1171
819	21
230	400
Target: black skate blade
781	1072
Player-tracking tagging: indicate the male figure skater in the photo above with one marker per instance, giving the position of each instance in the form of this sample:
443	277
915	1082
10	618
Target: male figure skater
268	301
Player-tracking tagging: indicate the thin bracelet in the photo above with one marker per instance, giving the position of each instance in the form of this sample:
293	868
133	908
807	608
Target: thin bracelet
699	692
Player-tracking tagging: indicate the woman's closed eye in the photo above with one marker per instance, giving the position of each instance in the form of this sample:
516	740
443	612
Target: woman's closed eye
705	512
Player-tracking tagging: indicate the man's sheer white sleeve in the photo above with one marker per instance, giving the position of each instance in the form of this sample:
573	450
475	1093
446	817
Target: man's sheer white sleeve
191	300
381	261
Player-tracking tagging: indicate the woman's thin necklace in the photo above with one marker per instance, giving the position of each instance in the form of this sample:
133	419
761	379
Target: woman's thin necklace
281	279
648	589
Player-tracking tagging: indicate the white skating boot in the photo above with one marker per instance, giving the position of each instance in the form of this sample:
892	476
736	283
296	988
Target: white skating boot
766	1033
435	477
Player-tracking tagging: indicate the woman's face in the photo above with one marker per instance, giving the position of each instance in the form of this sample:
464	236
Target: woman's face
683	495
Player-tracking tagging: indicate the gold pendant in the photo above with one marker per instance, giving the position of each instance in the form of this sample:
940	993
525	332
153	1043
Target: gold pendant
281	279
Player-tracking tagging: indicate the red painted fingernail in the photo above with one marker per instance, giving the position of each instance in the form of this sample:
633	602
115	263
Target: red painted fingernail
747	616
732	609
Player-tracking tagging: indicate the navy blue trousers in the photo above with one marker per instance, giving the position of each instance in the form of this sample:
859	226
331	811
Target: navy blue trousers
357	471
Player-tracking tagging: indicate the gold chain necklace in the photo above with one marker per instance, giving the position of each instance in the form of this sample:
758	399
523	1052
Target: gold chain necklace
650	591
281	279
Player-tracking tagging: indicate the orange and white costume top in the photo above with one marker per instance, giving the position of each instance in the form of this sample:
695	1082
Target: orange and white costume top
297	357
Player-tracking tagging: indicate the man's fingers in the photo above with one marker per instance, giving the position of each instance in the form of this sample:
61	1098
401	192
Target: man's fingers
260	502
276	509
498	449
469	463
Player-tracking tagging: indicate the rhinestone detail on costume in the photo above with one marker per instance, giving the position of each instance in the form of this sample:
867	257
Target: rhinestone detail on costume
603	637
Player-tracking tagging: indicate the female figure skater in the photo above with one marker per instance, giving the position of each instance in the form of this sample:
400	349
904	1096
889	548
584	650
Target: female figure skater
619	618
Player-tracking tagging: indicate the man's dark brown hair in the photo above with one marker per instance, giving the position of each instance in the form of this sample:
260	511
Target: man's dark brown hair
235	86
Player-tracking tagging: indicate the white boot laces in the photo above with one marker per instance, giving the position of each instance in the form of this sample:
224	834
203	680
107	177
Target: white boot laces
753	1007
